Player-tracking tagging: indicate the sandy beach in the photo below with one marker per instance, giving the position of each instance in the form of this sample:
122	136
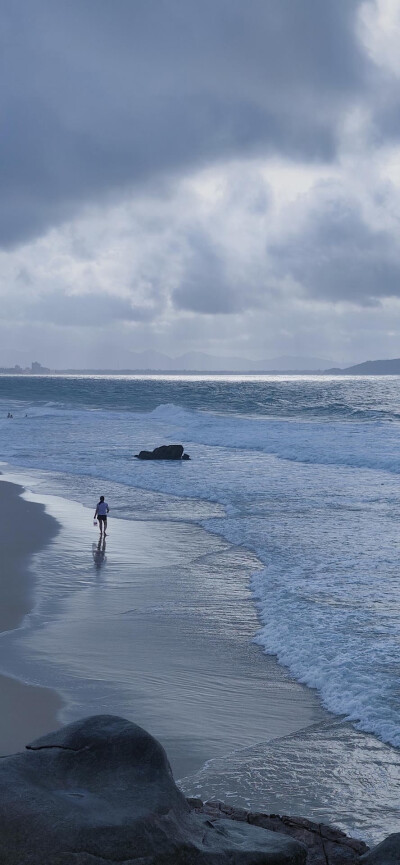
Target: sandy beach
27	711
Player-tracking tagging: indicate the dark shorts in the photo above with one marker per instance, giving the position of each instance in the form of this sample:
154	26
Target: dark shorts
101	518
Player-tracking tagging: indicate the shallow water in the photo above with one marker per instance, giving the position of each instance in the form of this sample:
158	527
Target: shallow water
329	773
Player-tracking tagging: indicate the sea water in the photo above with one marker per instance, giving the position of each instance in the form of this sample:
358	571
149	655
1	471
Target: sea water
302	471
305	471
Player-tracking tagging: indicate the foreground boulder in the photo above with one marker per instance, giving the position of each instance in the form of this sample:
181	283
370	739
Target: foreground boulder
165	452
101	790
386	853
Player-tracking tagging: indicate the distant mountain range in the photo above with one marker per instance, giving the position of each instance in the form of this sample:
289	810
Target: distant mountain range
192	362
197	361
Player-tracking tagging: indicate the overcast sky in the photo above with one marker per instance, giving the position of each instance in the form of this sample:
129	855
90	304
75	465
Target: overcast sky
208	175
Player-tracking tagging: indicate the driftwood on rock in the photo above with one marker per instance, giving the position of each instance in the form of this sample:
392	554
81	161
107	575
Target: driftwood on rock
101	790
164	452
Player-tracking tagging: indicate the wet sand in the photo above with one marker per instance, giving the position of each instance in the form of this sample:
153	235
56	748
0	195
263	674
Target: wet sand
26	711
24	528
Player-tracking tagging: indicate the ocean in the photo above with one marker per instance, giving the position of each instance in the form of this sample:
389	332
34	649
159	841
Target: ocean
302	472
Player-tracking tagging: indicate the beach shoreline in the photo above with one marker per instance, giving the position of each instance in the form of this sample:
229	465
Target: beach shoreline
27	711
158	627
180	602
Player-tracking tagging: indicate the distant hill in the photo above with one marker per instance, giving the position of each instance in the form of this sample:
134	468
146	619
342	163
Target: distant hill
198	361
126	361
371	367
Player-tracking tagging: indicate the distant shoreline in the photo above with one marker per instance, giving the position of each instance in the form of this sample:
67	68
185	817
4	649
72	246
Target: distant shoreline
385	367
200	372
163	372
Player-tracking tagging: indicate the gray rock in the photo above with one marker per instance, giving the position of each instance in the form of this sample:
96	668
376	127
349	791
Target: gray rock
386	853
164	452
326	845
101	790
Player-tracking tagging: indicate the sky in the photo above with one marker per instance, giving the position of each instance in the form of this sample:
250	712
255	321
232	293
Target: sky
219	176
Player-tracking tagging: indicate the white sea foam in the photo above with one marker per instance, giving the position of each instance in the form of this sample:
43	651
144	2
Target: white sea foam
369	445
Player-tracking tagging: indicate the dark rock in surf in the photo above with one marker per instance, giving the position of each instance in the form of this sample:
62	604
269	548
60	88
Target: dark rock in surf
101	790
165	452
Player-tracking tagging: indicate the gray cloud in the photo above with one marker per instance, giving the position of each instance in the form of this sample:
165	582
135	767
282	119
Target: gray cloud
84	310
337	256
205	286
99	95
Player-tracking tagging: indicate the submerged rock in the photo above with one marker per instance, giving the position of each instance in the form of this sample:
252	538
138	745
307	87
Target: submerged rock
164	452
101	790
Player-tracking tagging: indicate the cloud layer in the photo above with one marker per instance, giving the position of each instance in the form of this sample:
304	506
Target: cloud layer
222	175
100	96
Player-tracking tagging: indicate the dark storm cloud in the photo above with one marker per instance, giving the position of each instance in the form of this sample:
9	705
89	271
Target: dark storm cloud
97	96
84	310
337	256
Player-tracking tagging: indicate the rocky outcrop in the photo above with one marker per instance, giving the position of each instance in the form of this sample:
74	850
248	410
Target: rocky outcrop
164	452
325	845
386	853
101	790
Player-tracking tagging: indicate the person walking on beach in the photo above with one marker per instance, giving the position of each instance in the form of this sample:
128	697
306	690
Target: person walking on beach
100	514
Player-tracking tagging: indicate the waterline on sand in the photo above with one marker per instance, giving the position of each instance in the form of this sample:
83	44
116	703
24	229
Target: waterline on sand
27	711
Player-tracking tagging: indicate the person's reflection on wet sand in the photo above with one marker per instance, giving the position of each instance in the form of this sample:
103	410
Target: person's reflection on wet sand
99	553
